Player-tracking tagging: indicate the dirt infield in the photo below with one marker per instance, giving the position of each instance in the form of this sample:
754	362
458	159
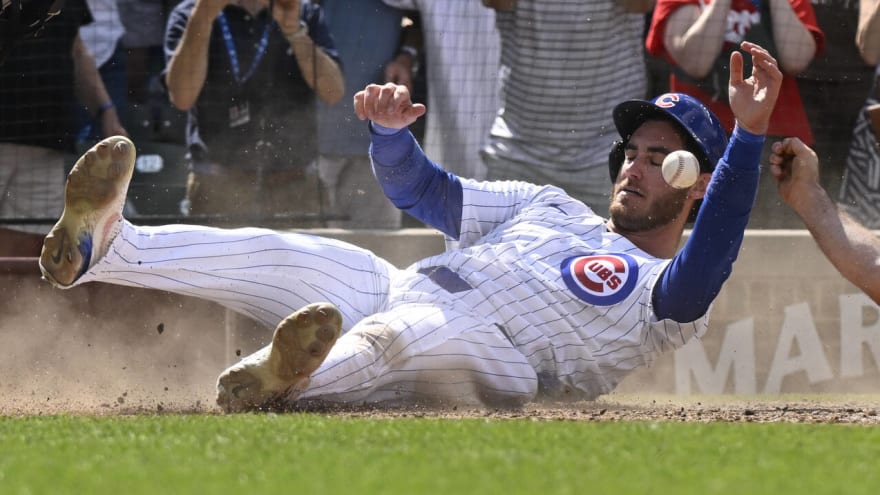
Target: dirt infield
863	412
723	409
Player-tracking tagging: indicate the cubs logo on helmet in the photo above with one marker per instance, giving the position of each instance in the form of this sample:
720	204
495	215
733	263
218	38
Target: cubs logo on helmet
601	279
666	100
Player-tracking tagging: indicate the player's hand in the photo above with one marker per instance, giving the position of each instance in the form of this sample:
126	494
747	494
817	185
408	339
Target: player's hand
796	169
388	105
752	100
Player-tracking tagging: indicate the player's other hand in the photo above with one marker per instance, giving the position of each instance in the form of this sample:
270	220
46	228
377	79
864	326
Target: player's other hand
388	105
795	167
753	99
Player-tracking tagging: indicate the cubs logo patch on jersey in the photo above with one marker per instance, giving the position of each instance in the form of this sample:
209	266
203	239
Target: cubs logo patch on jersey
601	279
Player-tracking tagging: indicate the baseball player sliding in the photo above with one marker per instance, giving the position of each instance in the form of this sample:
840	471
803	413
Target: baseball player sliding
539	296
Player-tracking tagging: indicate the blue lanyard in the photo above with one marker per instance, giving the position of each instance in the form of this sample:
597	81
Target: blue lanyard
233	54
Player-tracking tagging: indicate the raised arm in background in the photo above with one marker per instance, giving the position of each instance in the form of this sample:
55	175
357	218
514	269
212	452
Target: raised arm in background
794	42
188	67
91	91
868	34
320	71
694	36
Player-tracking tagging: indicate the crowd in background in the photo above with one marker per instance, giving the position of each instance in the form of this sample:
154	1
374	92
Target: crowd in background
241	110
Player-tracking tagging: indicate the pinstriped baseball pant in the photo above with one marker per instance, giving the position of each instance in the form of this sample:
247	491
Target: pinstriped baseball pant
404	339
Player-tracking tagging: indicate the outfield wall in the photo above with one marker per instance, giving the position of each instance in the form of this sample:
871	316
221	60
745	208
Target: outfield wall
784	322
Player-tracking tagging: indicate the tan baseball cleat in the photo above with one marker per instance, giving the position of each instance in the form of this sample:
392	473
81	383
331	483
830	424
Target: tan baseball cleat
93	200
281	370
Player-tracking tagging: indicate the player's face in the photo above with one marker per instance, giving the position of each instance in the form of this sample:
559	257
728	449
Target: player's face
641	200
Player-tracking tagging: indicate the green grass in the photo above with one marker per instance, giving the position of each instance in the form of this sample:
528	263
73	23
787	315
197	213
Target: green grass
312	454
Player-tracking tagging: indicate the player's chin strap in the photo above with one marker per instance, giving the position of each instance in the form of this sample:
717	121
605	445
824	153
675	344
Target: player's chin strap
18	21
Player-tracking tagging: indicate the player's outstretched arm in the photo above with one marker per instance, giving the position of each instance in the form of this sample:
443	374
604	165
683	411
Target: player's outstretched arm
693	279
408	178
850	247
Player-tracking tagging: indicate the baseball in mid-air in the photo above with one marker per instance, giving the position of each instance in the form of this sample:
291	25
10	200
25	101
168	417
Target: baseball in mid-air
681	169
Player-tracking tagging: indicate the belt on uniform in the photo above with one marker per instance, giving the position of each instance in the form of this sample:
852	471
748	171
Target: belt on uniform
452	283
445	278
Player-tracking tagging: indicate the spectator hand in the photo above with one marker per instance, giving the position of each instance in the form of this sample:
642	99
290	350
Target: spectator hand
286	14
399	71
210	8
796	169
110	124
388	105
752	100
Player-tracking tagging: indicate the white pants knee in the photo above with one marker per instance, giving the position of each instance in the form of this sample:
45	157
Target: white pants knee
426	353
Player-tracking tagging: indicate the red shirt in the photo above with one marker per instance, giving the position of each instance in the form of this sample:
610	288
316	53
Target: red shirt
789	117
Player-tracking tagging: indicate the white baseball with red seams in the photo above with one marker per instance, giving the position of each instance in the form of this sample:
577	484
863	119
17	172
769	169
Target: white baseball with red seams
681	169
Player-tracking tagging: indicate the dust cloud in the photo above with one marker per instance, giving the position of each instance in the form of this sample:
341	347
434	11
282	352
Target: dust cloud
103	349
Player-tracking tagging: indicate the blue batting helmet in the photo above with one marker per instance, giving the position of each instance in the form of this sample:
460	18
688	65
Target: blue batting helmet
705	135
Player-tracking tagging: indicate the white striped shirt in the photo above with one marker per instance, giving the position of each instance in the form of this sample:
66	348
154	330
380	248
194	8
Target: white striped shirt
565	64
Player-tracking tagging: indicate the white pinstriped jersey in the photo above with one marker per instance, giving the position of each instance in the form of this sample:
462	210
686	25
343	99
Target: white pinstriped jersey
588	324
534	268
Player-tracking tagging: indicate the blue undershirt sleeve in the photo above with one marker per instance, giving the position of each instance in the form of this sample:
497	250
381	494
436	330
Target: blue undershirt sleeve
415	184
695	275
